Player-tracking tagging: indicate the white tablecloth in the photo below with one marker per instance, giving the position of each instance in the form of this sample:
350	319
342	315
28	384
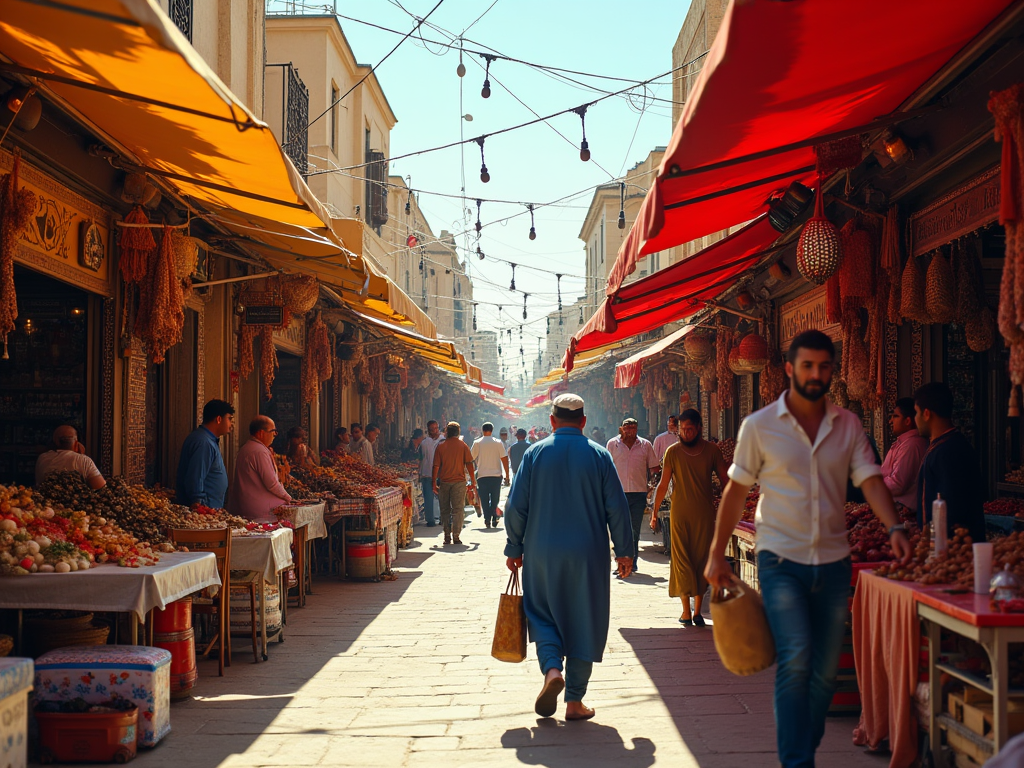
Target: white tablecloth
112	588
266	553
309	515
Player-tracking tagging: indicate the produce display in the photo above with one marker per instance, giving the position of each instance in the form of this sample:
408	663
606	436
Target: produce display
1016	476
749	506
36	537
869	538
956	565
1005	507
141	512
344	476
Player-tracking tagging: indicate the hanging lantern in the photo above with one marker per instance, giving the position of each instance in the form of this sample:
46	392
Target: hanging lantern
818	252
750	355
698	347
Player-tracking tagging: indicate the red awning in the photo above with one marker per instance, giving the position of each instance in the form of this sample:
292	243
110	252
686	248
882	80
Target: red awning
491	387
781	73
536	400
629	371
673	293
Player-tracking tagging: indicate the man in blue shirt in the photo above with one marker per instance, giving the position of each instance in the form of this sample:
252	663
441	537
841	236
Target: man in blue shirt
517	449
202	478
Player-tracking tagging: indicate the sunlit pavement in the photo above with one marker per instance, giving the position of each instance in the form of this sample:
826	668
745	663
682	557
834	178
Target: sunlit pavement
399	674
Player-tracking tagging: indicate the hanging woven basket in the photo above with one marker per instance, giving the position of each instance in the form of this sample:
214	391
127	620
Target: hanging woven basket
750	355
981	331
819	251
857	272
939	295
186	253
912	301
300	293
698	347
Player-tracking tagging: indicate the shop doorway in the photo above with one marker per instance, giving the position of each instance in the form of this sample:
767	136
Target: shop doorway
285	406
45	380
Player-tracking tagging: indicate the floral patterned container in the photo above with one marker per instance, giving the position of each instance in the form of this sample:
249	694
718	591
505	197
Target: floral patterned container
98	673
15	683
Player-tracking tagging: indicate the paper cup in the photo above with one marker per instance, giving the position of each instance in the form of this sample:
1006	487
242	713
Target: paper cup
982	568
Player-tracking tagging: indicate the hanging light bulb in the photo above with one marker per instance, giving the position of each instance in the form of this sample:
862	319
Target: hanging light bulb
474	316
584	146
533	229
484	175
461	69
524	311
622	205
549	326
512	287
581	314
479	226
486	90
479	253
559	284
560	321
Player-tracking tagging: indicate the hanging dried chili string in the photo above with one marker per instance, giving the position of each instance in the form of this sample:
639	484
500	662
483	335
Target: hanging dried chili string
16	209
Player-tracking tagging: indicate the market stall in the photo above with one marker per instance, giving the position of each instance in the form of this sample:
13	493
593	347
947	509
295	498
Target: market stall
269	554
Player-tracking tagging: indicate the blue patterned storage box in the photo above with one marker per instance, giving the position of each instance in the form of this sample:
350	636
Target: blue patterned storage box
15	683
98	673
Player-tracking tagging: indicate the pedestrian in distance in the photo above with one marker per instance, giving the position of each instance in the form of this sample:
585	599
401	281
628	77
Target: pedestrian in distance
452	461
565	501
491	460
635	462
518	450
687	468
802	450
427	447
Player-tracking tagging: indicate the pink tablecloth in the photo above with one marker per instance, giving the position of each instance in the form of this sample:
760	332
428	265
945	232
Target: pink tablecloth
886	644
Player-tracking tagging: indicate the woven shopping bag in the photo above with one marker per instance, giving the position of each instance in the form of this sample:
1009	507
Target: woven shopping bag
510	629
742	637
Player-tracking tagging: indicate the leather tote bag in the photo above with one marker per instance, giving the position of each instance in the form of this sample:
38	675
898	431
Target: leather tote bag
743	638
510	629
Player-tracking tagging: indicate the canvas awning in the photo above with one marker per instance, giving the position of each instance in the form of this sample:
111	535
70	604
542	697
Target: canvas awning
779	74
442	354
629	371
673	293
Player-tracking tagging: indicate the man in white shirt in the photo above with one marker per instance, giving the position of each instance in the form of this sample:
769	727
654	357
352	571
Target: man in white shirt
427	448
661	444
360	446
67	455
491	458
802	450
634	459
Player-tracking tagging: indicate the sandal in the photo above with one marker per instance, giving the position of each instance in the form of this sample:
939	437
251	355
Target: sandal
698	620
547	701
686	622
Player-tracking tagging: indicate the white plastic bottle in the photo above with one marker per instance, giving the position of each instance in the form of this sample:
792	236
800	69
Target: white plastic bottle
939	524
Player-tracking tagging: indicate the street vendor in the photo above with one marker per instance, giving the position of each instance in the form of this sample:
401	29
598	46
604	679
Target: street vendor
903	461
359	446
202	477
67	455
298	452
341	440
256	490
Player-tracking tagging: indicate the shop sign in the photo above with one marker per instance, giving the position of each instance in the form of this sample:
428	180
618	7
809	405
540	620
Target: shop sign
959	213
264	315
68	236
394	378
293	338
803	314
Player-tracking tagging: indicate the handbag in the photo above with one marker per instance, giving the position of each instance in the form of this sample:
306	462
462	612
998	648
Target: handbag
743	638
509	642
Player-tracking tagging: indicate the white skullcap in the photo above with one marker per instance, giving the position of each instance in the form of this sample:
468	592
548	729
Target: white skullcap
568	402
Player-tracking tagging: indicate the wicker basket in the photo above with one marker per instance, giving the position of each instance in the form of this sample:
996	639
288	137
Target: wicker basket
981	331
940	300
698	347
77	634
912	301
186	253
300	293
750	355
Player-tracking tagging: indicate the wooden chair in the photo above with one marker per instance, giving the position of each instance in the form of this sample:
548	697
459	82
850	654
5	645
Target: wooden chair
217	541
299	559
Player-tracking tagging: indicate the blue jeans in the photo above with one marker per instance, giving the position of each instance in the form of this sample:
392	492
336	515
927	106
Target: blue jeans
490	493
429	500
637	505
577	671
807	607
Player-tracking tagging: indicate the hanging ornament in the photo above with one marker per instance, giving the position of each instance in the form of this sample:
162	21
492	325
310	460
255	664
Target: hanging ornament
622	205
499	355
558	279
533	229
484	175
485	92
512	287
584	146
524	310
421	263
818	252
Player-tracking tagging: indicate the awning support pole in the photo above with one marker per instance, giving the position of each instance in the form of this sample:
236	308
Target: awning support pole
243	278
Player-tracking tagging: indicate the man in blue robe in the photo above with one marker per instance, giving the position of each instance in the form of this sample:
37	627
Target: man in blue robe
564	500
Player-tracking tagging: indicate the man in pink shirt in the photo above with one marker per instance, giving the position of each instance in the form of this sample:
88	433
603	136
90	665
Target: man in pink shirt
256	490
903	462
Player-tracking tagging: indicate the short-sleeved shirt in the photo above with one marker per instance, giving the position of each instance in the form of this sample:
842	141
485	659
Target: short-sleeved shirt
488	451
800	515
663	442
427	448
515	453
363	449
450	460
632	463
65	461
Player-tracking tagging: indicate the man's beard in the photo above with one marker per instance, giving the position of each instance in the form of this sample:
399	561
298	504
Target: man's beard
690	443
821	389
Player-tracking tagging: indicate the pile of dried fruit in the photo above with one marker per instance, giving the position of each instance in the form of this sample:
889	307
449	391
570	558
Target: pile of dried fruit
1016	476
956	565
1005	507
344	476
38	538
749	506
869	538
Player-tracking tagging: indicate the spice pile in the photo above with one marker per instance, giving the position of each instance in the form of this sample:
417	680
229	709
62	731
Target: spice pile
36	537
956	565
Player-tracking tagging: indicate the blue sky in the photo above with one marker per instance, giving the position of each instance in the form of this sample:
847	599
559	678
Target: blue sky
533	164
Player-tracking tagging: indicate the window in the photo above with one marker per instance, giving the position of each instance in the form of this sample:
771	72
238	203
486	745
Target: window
180	12
332	125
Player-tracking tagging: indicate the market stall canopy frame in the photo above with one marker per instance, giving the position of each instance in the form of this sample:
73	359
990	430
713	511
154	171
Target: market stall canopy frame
630	370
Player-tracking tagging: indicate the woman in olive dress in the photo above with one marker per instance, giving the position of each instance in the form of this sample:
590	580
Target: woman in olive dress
688	465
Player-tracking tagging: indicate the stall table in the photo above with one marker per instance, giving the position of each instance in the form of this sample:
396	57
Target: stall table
311	518
111	588
270	555
382	511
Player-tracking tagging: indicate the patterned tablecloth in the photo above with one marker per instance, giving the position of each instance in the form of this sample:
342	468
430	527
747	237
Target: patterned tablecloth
309	515
112	588
383	509
266	553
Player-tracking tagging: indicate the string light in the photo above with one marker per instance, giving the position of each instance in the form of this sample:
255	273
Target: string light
461	69
525	295
558	283
484	175
486	90
512	287
479	253
479	225
560	322
622	205
474	315
533	229
584	146
581	314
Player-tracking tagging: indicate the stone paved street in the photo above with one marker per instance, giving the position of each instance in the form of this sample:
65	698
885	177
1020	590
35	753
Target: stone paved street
399	674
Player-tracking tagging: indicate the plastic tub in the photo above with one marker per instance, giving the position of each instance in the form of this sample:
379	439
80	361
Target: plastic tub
87	737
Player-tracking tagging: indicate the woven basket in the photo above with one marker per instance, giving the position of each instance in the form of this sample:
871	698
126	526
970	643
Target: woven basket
698	347
819	251
981	331
57	621
939	296
134	190
750	355
186	253
300	293
912	301
833	300
6	645
857	271
88	634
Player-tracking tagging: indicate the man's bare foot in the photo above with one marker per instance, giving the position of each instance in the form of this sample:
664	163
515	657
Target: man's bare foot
577	710
547	701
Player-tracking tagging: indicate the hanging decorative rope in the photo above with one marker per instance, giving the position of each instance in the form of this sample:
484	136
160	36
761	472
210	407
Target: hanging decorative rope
533	229
584	146
484	175
818	252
